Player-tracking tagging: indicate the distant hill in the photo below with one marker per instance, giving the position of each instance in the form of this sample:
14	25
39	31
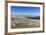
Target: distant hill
28	17
33	17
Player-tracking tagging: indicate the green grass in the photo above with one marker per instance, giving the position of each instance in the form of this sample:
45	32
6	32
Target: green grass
22	25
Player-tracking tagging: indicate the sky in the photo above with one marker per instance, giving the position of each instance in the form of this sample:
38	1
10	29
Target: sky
28	11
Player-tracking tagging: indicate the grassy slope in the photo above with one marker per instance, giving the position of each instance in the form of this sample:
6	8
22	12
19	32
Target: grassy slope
22	25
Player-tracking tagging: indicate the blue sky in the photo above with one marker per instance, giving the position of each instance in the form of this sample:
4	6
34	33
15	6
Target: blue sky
28	11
